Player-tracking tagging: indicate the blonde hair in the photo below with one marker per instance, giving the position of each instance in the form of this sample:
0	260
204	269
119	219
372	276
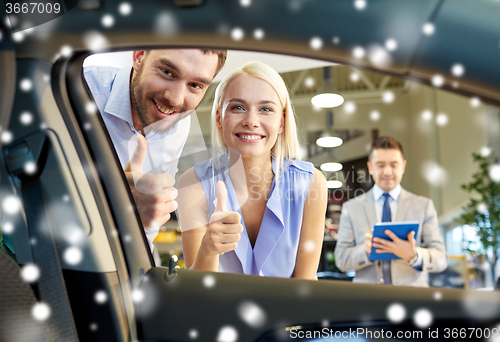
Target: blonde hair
287	144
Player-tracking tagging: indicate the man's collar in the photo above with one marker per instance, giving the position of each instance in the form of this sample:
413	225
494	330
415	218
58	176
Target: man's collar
378	192
118	103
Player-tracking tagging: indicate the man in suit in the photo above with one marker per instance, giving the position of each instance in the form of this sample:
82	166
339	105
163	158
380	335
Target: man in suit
387	201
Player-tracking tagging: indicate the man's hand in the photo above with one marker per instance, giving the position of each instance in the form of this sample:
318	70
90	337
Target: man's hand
368	243
404	249
154	195
225	228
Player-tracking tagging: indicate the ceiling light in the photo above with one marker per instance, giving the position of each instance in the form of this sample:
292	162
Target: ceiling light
331	167
334	184
327	97
329	142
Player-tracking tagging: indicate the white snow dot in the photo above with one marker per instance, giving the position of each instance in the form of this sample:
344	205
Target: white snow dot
237	33
309	246
127	238
7	227
316	43
107	20
101	297
428	29
335	40
349	107
434	174
26	118
125	8
455	84
252	314
87	126
494	172
11	205
354	77
74	235
91	108
66	198
18	37
422	318
30	167
309	82
1	36
66	50
475	102
325	323
7	137
209	281
457	70
438	295
40	311
193	334
245	3
485	151
391	44
227	334
26	84
379	55
360	4
358	52
396	313
258	34
95	41
388	96
427	115
73	255
93	327
30	273
482	208
137	296
33	241
43	126
442	119
437	81
375	115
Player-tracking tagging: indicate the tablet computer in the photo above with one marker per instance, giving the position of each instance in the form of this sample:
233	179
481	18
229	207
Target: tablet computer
401	229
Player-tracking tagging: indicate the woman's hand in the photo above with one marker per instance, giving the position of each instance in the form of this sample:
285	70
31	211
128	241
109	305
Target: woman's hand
225	228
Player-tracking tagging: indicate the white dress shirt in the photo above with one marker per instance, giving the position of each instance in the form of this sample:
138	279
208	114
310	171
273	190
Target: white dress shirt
110	88
379	199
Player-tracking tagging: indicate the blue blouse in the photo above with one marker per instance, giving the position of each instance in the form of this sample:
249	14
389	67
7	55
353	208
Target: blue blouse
275	249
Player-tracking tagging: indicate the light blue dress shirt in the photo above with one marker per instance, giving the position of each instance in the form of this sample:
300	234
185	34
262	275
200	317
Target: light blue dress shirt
110	88
275	250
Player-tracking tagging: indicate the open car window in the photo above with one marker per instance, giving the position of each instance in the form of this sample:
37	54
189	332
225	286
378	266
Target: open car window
432	124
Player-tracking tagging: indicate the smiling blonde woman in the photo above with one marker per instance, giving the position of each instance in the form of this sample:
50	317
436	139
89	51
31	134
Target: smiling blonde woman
254	208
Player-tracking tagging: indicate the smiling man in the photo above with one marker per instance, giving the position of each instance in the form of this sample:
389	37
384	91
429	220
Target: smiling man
153	99
387	201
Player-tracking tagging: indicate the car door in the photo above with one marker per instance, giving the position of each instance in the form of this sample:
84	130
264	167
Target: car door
113	288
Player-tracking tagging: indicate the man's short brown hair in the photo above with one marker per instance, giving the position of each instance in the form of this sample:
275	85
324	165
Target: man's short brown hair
221	54
387	143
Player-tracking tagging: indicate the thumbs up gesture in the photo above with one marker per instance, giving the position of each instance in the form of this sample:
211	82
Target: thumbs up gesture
154	195
225	228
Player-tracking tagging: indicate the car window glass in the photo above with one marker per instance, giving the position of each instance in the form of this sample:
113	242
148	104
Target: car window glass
446	139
